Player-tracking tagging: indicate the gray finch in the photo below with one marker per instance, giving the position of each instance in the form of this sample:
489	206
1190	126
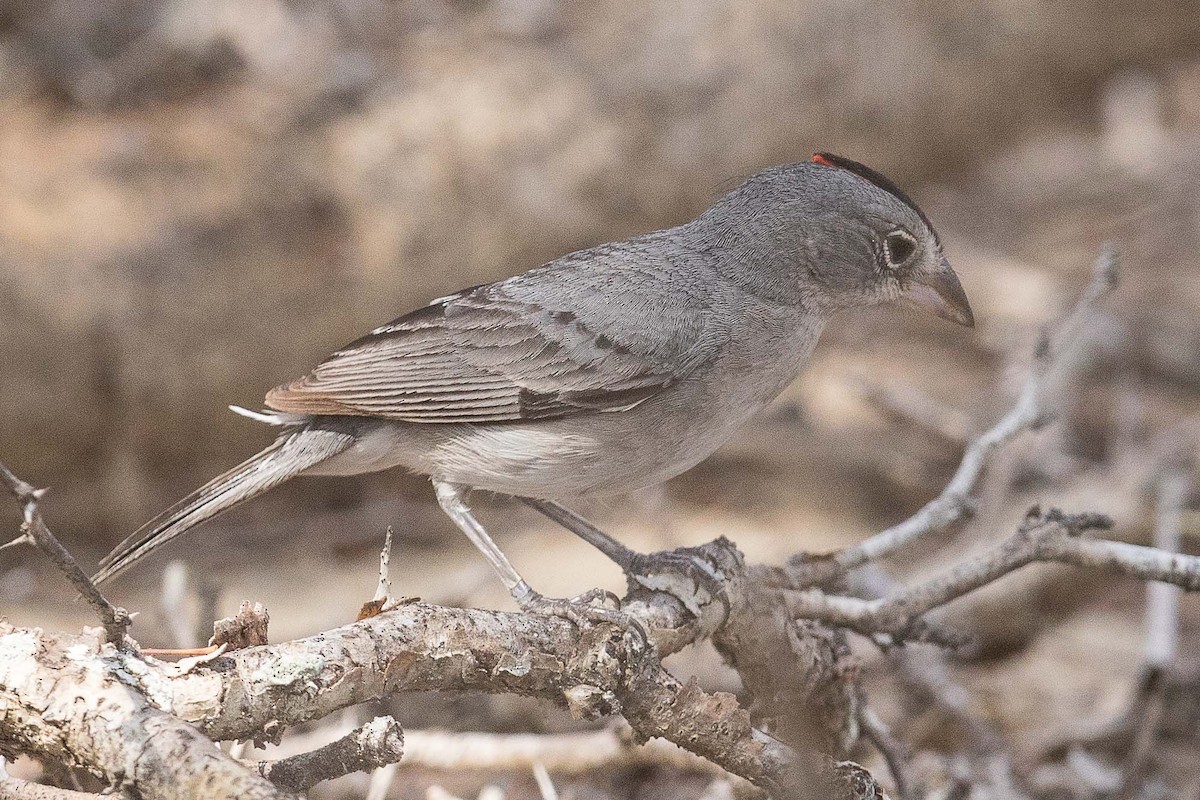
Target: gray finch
606	370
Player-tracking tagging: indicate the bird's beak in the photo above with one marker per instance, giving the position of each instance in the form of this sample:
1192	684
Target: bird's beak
941	293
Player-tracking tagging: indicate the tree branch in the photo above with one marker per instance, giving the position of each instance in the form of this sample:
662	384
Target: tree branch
259	691
1049	537
376	744
114	619
563	753
67	698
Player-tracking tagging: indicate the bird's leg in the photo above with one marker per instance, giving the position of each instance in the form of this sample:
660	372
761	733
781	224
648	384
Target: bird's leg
618	553
638	566
578	611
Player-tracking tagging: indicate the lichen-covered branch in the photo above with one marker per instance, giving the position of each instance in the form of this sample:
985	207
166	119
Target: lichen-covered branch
258	691
68	698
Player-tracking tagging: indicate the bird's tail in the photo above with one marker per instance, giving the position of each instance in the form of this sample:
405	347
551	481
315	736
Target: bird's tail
292	453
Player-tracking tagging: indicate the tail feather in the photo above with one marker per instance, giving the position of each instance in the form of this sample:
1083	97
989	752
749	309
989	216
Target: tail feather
292	453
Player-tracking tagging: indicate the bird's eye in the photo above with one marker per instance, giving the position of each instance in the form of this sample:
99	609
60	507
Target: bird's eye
899	246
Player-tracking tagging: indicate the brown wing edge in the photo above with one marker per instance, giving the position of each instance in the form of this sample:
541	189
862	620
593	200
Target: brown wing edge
295	398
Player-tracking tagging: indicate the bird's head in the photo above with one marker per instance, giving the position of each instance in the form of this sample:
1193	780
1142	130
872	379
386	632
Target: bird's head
835	234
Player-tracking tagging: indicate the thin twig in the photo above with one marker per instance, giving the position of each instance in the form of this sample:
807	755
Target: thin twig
924	671
381	782
955	503
1162	637
115	620
892	750
1162	600
545	785
384	590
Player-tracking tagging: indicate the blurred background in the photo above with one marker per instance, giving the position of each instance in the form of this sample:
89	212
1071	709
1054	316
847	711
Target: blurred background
200	201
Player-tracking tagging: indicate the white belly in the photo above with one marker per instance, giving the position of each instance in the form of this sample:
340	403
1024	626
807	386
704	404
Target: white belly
593	453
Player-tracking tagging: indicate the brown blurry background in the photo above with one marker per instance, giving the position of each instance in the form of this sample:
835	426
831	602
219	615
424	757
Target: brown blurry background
198	201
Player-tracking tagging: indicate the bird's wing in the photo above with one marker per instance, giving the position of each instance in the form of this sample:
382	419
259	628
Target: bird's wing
550	343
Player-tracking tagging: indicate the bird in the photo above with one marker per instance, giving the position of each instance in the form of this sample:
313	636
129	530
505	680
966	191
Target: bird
604	371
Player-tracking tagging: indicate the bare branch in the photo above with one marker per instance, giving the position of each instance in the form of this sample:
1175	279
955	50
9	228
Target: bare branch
1049	537
260	690
381	782
378	743
924	671
893	751
114	619
954	503
1162	636
795	668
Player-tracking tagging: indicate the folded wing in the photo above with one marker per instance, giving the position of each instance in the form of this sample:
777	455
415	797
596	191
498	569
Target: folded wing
500	353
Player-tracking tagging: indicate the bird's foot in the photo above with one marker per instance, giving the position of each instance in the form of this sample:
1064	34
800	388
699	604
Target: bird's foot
683	574
590	608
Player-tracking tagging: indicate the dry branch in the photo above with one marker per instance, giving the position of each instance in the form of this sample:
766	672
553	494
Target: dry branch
1043	537
563	753
13	788
258	691
894	753
34	530
68	698
378	743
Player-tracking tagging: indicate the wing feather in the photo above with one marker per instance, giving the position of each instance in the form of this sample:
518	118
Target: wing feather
504	352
